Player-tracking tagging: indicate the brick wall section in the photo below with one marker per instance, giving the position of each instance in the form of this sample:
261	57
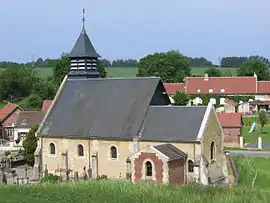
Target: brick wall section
138	162
232	136
177	172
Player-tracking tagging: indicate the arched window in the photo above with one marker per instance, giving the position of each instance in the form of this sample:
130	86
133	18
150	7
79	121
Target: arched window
148	168
190	166
212	151
52	148
113	152
80	150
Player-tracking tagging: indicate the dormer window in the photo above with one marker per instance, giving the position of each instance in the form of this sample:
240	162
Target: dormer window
210	90
222	90
24	122
198	90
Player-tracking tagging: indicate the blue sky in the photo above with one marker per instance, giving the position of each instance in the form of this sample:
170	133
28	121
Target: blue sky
132	29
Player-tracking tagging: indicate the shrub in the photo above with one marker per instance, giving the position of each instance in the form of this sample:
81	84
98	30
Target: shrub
102	177
50	178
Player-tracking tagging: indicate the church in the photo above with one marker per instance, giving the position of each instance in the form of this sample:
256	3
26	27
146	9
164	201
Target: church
126	128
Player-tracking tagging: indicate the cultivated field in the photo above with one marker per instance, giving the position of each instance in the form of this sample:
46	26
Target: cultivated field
131	72
125	192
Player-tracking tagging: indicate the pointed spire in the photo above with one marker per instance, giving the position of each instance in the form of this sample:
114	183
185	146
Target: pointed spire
83	55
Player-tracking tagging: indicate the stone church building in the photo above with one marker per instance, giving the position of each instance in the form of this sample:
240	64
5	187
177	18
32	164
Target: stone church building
126	128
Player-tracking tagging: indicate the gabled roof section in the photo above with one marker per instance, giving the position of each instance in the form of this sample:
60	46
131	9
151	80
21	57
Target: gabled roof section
83	47
230	119
263	87
26	119
172	88
46	105
221	85
172	123
229	101
100	108
7	110
171	151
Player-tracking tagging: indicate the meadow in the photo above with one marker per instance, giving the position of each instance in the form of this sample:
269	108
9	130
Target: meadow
131	72
114	192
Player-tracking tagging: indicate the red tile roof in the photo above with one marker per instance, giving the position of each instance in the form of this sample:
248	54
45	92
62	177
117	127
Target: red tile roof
171	88
221	85
263	87
46	105
6	110
230	119
231	102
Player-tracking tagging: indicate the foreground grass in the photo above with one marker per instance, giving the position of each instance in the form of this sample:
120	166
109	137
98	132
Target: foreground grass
116	192
125	192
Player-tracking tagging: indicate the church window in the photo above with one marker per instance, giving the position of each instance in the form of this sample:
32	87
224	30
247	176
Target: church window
80	150
190	166
113	152
212	151
52	148
148	168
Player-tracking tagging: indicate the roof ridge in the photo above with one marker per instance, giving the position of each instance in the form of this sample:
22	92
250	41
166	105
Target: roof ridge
116	78
175	106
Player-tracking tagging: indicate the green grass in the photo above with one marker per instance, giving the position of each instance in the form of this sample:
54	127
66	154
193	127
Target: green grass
253	137
124	192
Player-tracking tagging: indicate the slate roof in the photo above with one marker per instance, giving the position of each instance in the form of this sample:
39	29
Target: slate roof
172	123
171	151
104	108
26	119
83	47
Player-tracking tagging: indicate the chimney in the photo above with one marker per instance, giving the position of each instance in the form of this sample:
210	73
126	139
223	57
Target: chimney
206	76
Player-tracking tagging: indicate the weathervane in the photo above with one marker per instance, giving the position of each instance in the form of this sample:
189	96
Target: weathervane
83	19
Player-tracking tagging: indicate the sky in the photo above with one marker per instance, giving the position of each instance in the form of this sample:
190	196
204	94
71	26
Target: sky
132	29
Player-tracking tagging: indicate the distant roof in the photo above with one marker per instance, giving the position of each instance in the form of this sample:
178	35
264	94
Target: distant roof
83	47
172	88
171	151
108	108
263	87
26	119
221	85
229	101
230	119
46	105
173	123
7	109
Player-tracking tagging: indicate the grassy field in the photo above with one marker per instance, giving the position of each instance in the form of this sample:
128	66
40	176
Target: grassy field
131	72
124	192
253	137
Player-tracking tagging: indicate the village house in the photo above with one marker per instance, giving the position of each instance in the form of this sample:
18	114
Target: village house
24	122
224	86
126	128
232	124
8	116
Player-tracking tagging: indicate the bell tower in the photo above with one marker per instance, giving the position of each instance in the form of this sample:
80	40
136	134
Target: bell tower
83	56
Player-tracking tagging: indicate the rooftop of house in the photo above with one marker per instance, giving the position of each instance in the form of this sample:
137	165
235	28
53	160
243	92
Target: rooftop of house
230	119
46	105
7	110
171	151
220	85
26	119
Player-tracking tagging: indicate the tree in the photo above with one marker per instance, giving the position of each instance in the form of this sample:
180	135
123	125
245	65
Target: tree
101	69
61	69
30	145
263	118
180	98
254	66
33	101
171	66
213	72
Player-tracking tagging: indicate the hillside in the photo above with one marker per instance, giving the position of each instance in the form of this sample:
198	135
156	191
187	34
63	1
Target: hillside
121	192
131	72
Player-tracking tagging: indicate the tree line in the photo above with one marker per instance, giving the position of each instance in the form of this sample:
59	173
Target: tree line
234	61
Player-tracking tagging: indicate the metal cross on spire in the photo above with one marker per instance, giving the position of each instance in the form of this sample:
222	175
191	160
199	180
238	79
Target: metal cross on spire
83	19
